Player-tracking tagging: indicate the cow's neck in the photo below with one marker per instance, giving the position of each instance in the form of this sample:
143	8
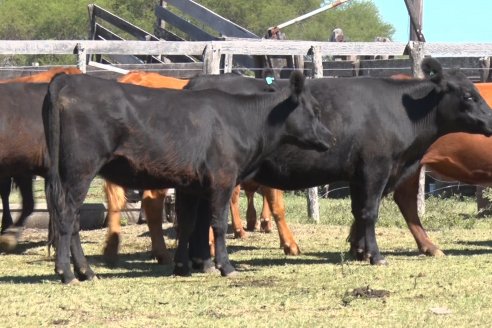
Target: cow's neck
421	104
268	134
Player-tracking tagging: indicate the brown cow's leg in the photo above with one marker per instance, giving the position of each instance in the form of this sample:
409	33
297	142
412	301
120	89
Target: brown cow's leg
211	241
115	196
237	225
275	200
153	203
251	218
405	197
266	214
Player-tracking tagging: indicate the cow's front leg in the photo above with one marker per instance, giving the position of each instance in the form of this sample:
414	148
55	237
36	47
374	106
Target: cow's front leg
199	243
218	202
366	191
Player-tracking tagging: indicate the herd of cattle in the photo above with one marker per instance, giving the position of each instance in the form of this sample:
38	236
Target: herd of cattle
217	132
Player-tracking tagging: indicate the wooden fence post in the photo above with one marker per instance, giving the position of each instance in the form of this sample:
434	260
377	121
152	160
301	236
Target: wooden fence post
228	63
484	206
312	193
211	59
81	57
417	55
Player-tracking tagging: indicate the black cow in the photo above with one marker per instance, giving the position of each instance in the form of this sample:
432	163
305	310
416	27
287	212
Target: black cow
203	142
22	149
382	129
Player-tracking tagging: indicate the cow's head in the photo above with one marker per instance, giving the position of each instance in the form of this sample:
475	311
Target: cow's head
461	108
300	116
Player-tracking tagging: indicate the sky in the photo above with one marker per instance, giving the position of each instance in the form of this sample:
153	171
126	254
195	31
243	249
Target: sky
443	20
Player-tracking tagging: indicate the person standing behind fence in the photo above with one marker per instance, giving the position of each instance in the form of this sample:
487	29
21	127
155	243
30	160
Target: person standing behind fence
338	36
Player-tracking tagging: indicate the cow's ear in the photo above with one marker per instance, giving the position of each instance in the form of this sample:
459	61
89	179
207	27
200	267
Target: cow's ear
297	80
432	69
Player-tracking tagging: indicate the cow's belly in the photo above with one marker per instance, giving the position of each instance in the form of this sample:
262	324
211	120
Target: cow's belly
121	172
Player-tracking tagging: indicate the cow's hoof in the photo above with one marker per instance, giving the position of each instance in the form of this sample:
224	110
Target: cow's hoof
72	282
8	242
181	270
291	249
110	251
266	226
359	254
378	261
164	258
434	251
85	275
227	271
206	266
240	234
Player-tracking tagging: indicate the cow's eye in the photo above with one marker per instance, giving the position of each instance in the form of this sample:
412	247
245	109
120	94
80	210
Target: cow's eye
468	97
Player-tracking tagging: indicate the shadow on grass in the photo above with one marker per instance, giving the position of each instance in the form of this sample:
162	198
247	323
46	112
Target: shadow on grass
137	266
23	247
481	243
305	258
169	233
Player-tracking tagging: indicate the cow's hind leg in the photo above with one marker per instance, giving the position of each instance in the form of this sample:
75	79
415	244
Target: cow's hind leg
186	210
237	225
10	238
64	204
5	186
115	197
81	267
252	223
405	197
266	212
153	205
218	202
274	199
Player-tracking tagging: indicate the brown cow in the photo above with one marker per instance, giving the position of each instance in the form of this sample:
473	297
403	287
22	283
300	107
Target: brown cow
25	155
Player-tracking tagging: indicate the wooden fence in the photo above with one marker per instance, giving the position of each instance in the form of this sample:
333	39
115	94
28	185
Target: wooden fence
214	51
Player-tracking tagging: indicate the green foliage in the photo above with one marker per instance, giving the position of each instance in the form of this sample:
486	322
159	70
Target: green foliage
65	20
359	19
62	20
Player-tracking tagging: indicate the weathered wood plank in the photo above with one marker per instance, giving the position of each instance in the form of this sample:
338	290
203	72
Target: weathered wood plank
216	22
103	33
240	47
193	31
122	24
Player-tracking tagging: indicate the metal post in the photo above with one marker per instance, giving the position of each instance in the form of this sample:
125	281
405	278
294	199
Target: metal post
415	9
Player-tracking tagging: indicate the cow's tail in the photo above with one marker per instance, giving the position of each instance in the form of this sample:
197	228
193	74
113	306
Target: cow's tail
55	195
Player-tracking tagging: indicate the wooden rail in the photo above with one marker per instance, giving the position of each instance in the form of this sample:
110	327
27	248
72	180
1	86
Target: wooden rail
213	50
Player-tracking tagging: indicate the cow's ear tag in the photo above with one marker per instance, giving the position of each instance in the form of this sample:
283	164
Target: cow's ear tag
269	79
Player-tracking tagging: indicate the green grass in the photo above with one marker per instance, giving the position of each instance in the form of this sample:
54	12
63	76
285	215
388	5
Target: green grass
315	289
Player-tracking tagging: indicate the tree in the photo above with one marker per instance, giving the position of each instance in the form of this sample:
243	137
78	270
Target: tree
359	19
54	19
